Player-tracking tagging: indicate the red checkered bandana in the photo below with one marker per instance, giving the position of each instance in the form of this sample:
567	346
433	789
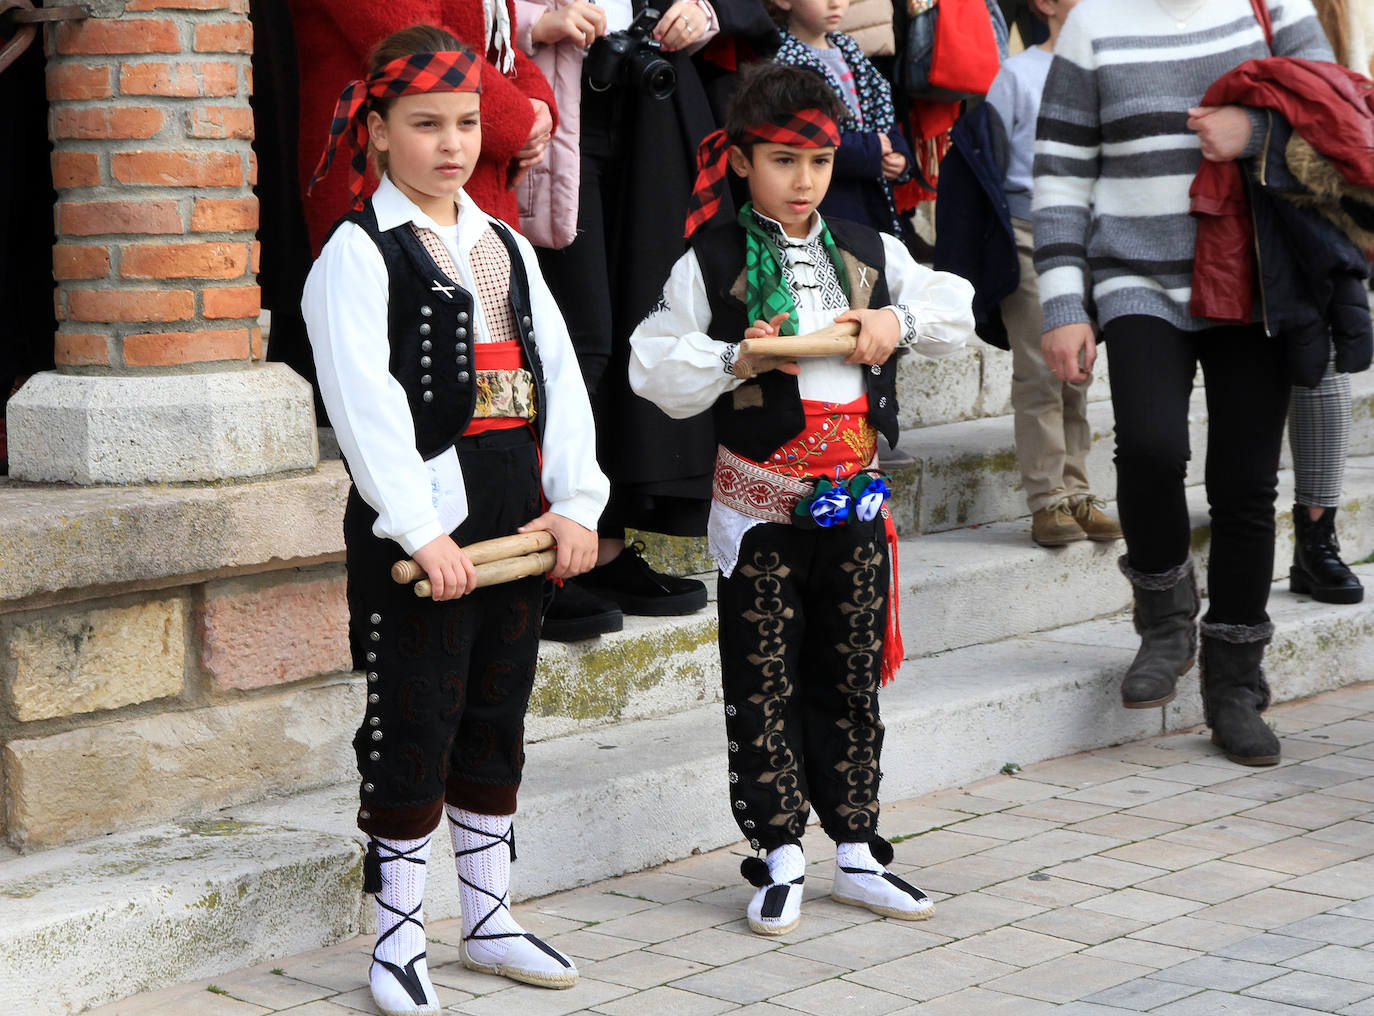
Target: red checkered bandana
806	128
445	71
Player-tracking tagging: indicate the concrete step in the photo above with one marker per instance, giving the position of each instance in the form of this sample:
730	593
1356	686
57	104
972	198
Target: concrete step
101	920
965	474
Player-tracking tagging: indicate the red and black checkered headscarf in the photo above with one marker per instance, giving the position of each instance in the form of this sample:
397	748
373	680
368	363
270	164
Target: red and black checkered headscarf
806	128
445	71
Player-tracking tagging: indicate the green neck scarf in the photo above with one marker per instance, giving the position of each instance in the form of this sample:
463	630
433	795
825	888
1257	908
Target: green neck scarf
767	290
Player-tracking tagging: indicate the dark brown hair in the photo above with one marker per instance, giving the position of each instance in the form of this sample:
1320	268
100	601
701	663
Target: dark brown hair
406	42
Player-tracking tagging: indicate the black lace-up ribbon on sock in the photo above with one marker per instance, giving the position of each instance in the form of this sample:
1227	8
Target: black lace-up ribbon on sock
500	900
406	975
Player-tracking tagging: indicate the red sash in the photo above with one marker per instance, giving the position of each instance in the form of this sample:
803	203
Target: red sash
496	356
836	442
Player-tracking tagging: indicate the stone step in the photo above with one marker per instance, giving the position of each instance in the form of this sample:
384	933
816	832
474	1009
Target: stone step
980	584
104	919
958	588
975	382
965	474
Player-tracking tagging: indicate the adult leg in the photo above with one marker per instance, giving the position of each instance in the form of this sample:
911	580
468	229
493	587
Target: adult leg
840	676
578	276
1152	368
762	622
1037	402
1247	400
1319	436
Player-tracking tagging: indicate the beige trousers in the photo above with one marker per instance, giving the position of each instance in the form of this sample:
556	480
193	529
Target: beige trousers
1051	416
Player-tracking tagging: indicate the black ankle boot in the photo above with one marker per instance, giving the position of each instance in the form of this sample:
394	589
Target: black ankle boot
1235	693
1317	568
1165	616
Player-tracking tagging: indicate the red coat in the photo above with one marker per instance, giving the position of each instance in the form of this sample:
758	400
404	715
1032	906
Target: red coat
333	40
1329	107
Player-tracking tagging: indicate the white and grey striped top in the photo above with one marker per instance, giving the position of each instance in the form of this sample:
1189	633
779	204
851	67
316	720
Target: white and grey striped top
1114	158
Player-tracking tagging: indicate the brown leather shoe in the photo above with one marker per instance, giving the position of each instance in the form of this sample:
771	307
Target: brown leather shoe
1054	526
1087	512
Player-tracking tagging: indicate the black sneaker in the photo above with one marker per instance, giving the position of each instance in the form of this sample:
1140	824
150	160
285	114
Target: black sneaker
638	589
574	614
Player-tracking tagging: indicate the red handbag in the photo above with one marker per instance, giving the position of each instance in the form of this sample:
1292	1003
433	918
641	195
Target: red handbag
964	59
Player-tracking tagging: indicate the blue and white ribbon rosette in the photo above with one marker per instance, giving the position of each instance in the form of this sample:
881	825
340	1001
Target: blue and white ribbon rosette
832	505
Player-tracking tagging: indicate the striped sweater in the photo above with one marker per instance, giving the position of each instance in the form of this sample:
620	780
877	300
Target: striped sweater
1114	158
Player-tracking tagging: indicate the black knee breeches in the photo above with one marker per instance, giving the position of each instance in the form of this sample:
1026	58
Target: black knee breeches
802	619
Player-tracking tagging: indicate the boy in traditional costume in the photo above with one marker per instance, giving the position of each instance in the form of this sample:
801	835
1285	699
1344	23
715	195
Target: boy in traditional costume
797	527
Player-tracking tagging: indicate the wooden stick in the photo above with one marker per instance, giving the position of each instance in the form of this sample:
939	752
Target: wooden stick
483	552
833	340
507	569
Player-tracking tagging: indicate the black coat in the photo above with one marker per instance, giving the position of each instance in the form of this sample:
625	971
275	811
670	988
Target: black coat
1312	275
973	233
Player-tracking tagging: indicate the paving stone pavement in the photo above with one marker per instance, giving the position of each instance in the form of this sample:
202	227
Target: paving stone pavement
1149	877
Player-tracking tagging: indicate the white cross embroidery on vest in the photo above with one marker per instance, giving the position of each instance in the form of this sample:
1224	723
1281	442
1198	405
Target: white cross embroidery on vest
439	287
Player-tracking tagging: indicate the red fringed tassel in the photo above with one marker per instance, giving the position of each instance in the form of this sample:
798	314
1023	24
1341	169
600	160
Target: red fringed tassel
930	124
893	649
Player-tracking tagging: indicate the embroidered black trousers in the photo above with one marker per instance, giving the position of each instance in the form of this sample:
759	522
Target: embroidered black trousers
448	682
802	618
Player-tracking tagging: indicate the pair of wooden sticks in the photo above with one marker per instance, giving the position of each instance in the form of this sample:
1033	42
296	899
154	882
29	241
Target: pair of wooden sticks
508	558
503	559
833	340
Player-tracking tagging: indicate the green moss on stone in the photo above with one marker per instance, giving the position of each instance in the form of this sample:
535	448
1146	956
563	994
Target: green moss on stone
598	683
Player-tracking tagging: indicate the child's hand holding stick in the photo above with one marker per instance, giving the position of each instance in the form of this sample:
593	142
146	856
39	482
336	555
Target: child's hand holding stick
448	568
490	561
763	349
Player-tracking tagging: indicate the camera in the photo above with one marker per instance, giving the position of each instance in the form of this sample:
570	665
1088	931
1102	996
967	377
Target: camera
632	57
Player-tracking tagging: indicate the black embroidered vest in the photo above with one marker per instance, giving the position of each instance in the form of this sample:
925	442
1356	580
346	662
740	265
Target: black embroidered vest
429	327
764	413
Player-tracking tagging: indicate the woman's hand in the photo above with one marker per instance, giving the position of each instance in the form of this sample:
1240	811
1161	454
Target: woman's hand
538	141
448	569
1070	351
894	165
576	544
681	25
1223	130
580	23
878	334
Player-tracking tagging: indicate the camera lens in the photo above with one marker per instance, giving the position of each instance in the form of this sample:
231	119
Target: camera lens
652	74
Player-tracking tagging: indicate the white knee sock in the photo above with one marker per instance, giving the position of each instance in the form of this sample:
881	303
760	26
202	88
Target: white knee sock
400	927
482	847
786	863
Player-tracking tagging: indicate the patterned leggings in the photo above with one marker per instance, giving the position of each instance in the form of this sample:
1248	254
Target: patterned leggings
801	638
1319	438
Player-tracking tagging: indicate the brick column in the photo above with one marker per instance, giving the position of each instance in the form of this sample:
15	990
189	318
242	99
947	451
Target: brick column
158	350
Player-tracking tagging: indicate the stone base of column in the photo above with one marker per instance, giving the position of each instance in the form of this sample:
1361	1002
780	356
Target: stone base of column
164	428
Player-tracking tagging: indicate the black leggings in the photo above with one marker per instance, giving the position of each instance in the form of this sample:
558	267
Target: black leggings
1152	368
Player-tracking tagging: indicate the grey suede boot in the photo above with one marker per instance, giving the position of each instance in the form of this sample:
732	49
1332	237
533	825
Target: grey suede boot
1166	607
1234	692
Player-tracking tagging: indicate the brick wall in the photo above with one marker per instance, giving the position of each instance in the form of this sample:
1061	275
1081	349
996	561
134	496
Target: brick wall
155	255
